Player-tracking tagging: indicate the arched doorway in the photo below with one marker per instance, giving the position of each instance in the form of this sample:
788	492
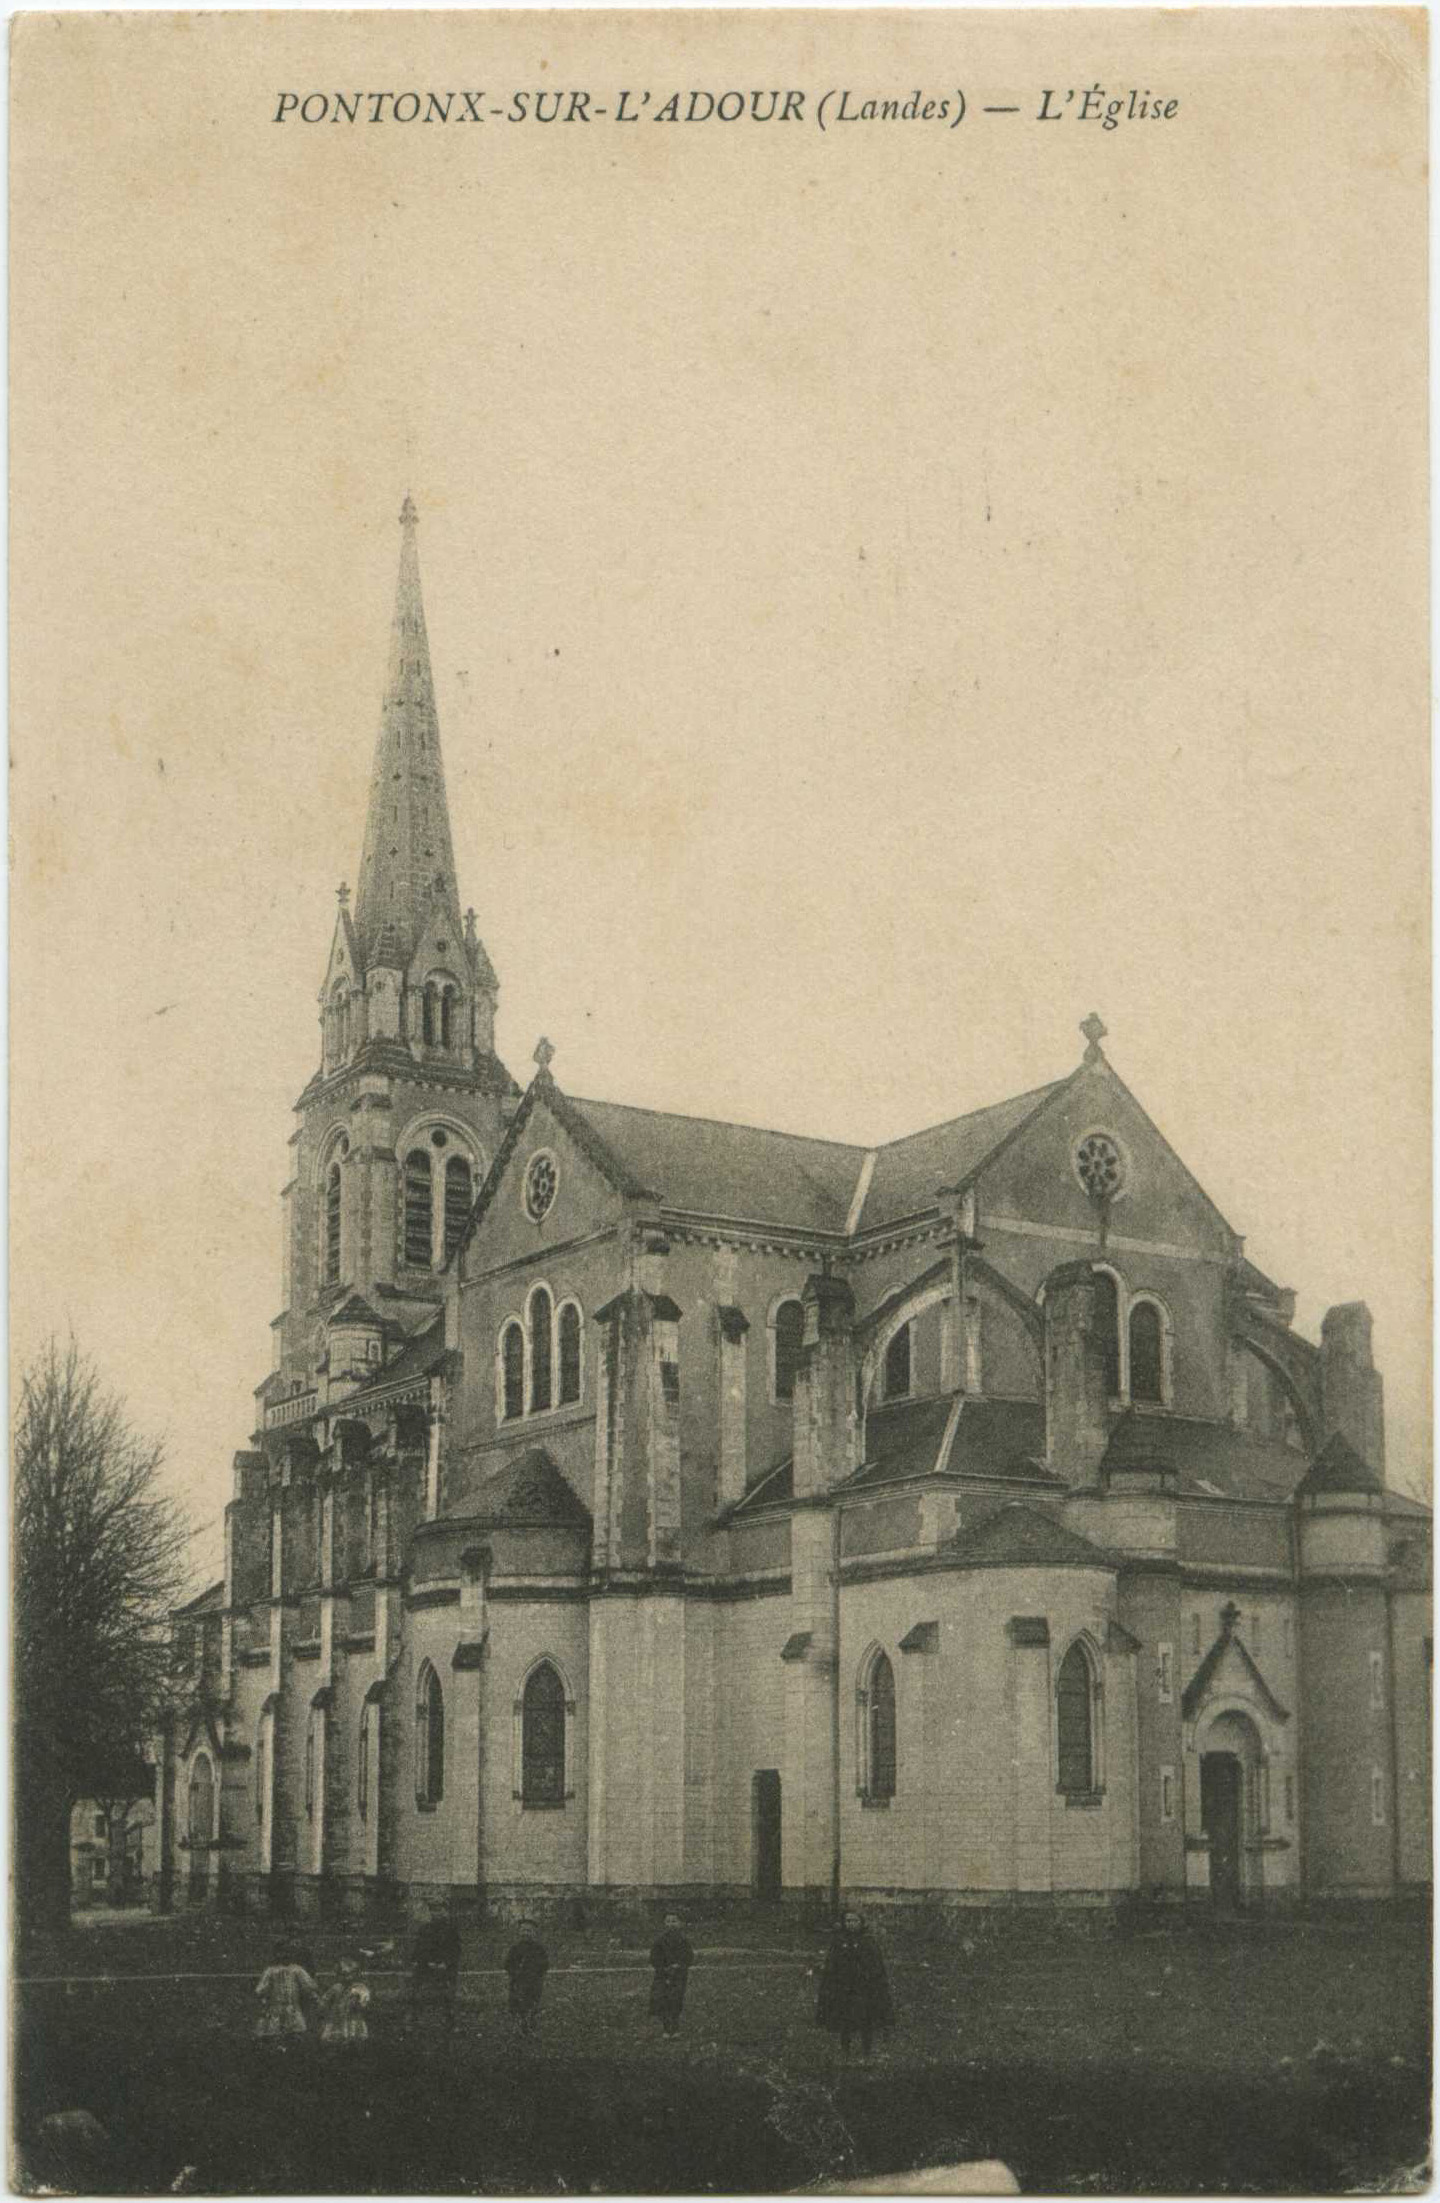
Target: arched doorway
1232	1762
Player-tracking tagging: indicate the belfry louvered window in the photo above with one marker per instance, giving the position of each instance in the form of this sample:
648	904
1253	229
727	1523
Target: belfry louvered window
418	1195
458	1196
332	1225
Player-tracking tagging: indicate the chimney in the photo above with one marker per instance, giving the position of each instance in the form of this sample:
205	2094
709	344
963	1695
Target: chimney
1077	1406
1351	1395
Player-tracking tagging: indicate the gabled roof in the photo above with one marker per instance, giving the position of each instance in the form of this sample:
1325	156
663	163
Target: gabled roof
1199	1683
416	1358
910	1172
528	1492
1022	1536
738	1171
208	1601
569	1114
1337	1467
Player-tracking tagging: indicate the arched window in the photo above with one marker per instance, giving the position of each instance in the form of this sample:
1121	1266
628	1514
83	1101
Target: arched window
789	1328
458	1196
540	1349
569	1328
542	1738
428	1019
418	1212
447	1017
1107	1304
897	1365
1147	1352
429	1738
202	1800
877	1709
364	1757
332	1224
1075	1722
512	1372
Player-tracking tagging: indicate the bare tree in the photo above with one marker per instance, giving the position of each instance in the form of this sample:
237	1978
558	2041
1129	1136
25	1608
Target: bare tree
99	1563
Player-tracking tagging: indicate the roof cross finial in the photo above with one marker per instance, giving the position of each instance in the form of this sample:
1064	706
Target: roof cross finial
342	896
1093	1027
1229	1616
409	518
544	1053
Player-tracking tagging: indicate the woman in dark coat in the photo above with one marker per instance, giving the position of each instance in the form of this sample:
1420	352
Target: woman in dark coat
854	1990
527	1962
672	1957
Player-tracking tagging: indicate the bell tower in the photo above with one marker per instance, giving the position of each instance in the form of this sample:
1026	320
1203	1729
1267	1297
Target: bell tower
402	1117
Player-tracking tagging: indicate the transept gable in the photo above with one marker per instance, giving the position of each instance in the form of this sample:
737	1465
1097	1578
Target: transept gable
1091	1161
553	1176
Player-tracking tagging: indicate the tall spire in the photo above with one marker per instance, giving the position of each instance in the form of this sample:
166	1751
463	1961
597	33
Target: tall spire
408	861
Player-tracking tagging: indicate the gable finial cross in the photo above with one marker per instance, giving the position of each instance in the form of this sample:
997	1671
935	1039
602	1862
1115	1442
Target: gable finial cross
1094	1029
342	896
1229	1616
544	1054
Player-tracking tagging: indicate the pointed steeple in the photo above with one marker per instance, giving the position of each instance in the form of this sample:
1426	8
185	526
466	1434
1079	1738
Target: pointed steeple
408	864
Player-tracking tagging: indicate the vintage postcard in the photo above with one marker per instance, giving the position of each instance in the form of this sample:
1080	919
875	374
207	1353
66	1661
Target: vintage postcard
720	1148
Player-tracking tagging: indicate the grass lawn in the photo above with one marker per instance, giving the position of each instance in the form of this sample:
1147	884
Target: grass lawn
1268	2057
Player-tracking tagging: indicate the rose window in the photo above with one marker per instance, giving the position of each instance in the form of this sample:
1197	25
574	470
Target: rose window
541	1179
1099	1166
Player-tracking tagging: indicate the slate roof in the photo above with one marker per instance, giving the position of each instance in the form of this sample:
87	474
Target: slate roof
1021	1536
706	1167
1208	1460
734	1170
909	1172
1337	1467
416	1358
991	1438
529	1492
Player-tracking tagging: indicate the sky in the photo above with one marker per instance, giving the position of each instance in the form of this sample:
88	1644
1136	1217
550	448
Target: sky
887	599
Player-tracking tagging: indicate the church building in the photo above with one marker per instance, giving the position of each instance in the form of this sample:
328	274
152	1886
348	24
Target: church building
642	1507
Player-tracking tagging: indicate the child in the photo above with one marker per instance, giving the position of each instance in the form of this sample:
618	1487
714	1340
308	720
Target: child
342	2008
287	1994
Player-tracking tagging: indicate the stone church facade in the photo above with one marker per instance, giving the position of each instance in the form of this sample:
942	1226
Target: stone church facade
648	1507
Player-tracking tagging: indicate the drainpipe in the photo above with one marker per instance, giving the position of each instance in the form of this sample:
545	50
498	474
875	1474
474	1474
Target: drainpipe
835	1707
1394	1739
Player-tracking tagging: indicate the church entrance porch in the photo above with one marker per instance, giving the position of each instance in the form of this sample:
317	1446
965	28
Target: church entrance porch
765	1873
1221	1801
1232	1806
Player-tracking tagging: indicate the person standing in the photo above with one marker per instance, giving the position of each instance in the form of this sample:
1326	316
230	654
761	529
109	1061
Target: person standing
672	1957
854	1988
342	2009
287	1996
527	1962
435	1967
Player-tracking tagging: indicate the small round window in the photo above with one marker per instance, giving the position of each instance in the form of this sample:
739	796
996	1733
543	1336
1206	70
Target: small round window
1099	1165
541	1179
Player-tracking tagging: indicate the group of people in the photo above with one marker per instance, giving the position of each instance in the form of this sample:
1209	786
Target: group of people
854	2003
